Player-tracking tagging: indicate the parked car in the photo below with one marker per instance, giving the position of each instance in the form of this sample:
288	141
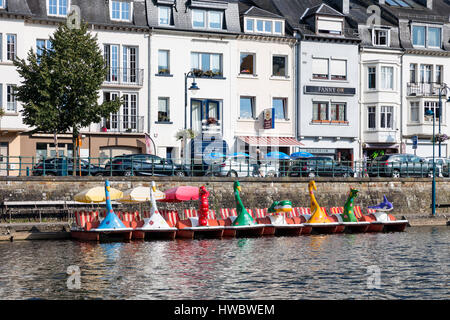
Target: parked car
319	166
64	166
242	166
441	165
143	164
398	165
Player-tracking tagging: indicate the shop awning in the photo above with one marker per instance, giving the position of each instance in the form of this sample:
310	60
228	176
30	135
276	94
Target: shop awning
270	141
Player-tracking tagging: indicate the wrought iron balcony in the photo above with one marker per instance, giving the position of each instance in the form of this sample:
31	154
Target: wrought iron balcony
124	77
423	89
127	124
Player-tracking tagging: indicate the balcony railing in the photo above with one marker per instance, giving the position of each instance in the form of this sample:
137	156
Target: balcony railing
127	124
125	77
423	89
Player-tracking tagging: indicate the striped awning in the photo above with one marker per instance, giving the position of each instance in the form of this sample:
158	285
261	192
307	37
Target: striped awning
270	141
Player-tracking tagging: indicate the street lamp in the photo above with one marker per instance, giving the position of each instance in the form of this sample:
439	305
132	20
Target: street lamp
433	186
193	88
442	88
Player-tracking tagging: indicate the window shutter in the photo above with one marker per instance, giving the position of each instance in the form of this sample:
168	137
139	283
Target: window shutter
320	66
338	67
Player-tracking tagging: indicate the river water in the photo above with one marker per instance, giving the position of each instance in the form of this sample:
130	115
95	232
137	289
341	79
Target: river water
410	265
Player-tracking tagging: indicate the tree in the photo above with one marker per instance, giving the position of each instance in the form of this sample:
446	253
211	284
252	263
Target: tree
59	89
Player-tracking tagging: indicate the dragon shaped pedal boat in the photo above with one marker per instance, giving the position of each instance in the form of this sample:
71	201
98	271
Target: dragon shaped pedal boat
383	220
349	219
154	227
243	225
319	220
201	226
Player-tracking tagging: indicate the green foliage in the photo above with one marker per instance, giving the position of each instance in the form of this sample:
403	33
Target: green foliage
60	91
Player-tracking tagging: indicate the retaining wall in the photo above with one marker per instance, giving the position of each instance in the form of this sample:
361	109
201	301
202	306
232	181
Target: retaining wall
410	196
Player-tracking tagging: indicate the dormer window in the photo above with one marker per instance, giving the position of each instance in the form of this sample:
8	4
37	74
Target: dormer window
426	36
2	4
329	25
380	37
165	15
121	10
207	19
55	7
255	25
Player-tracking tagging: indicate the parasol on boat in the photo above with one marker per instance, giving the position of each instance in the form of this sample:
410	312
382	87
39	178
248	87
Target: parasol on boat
182	193
140	194
97	195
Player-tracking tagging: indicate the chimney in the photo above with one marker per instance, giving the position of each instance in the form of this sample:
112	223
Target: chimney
343	6
426	3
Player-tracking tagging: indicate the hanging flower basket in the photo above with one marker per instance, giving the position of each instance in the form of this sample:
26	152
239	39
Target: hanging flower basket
439	138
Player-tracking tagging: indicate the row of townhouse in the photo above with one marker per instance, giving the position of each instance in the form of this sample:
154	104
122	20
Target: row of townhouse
345	78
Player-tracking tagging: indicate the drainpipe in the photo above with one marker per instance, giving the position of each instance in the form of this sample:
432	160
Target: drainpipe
297	85
149	100
361	112
401	101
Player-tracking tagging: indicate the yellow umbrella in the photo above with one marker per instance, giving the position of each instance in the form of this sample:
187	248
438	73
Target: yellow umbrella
140	194
97	195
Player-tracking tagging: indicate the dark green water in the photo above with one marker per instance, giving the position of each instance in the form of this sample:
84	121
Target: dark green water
413	265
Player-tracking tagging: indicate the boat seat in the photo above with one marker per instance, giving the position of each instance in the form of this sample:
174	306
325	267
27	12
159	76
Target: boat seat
185	223
263	220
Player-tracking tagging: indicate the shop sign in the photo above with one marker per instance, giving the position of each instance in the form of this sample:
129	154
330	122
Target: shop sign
330	90
269	118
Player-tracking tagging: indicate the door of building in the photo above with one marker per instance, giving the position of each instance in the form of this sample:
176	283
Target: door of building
3	158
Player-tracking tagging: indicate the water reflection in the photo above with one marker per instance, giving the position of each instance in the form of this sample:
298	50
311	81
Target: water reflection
413	265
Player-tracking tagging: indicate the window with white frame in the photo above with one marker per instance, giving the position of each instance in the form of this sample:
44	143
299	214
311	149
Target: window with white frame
413	72
58	7
207	19
431	106
121	10
414	111
279	66
164	15
129	111
111	122
163	62
426	36
387	78
129	64
329	25
11	47
371	117
438	74
386	117
247	65
426	72
280	106
320	111
111	57
338	112
163	110
210	64
247	108
11	104
257	25
380	37
41	45
372	77
338	69
2	4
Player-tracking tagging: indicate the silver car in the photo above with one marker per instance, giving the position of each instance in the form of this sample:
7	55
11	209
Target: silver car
243	166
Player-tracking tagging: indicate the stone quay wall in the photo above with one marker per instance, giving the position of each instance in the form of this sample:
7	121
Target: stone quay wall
409	196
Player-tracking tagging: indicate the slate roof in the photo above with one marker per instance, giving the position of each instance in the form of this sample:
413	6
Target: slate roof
93	11
182	15
258	12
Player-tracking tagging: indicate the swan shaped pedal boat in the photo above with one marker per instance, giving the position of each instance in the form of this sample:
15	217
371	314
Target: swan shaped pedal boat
111	228
319	221
243	225
154	227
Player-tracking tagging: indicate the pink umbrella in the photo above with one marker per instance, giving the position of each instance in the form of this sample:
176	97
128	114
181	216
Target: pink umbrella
182	193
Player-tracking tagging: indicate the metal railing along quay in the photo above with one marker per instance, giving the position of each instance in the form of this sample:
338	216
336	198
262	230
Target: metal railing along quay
149	165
